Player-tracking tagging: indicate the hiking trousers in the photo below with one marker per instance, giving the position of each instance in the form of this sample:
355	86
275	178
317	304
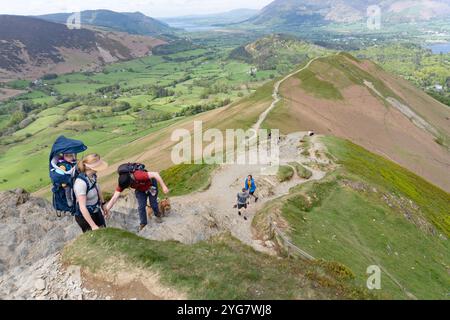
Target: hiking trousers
143	198
98	218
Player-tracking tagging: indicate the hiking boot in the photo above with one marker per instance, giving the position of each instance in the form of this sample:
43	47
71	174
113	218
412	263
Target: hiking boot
256	199
240	213
158	220
245	218
141	227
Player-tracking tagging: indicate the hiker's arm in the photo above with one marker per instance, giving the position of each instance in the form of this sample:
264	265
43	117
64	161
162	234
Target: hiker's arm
113	201
155	175
85	212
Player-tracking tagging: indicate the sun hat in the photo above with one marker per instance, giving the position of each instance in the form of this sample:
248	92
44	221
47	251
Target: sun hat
98	165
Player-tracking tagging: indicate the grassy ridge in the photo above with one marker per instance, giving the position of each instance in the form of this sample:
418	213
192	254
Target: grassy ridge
222	268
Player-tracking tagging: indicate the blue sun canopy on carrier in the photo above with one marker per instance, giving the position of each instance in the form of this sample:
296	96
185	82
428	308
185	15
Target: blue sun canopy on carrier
65	145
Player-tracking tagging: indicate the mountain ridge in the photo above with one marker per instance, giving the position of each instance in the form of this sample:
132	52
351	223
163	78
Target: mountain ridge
130	22
32	47
314	12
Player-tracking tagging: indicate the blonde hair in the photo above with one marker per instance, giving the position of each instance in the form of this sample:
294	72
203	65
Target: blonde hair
89	159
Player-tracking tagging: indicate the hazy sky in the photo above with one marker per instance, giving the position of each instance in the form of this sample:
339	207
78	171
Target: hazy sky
155	8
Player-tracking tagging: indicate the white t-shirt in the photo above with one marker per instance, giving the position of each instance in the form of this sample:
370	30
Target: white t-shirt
80	189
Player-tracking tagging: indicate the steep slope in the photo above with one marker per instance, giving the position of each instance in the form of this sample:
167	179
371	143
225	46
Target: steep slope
357	100
315	12
32	47
130	22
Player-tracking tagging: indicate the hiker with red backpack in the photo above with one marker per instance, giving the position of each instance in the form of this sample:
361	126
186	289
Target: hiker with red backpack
135	176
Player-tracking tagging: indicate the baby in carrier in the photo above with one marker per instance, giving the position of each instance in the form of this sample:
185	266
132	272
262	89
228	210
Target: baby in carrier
65	165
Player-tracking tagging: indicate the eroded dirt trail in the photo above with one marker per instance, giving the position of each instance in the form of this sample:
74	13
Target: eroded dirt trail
198	216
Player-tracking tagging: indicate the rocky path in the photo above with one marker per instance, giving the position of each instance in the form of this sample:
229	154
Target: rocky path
46	279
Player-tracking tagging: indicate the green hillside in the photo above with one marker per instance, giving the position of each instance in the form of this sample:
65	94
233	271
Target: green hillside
130	22
371	211
221	268
112	108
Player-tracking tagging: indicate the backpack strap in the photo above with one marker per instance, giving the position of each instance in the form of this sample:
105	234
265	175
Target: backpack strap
89	187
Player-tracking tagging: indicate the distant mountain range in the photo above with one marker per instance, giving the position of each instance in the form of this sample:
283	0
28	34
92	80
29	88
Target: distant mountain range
318	12
31	47
130	22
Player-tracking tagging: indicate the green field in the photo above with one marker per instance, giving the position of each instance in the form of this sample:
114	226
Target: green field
4	119
127	101
112	108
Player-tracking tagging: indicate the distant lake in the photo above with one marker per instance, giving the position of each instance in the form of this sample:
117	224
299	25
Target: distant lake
438	48
190	27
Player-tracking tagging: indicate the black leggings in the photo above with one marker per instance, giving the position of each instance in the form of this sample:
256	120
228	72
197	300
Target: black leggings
96	216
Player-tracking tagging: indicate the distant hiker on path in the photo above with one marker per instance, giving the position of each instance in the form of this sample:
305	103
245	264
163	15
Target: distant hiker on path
135	176
90	207
250	186
242	202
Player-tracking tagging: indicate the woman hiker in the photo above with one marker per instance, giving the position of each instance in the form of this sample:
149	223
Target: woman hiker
90	207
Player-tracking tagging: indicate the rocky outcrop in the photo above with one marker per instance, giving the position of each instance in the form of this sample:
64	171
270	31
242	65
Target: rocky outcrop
46	279
30	229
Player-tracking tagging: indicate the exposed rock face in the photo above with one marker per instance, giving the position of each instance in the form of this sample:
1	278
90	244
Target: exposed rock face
30	229
46	279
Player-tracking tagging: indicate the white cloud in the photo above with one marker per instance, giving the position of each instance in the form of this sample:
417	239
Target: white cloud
155	8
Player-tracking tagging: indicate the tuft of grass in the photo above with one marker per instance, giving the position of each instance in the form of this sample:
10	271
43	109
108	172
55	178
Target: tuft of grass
221	268
187	178
301	171
285	173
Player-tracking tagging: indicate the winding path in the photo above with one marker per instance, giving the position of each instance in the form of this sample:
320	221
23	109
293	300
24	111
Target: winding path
200	215
276	96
